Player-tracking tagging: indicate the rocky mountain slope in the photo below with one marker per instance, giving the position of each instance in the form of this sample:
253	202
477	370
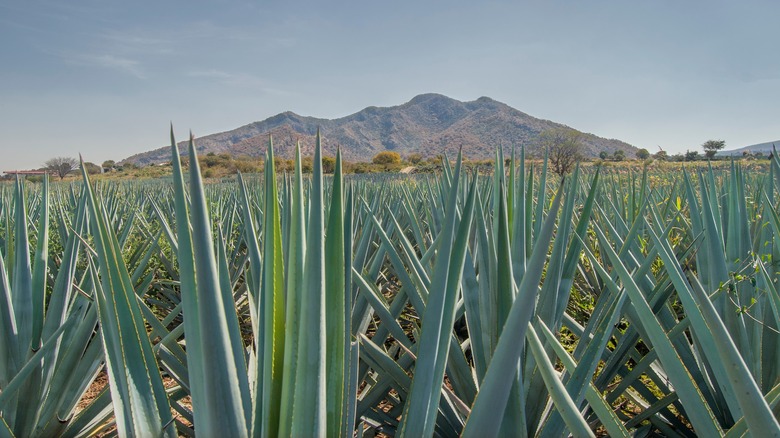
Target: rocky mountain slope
429	124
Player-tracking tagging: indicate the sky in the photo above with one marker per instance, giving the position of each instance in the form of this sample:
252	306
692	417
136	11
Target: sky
105	78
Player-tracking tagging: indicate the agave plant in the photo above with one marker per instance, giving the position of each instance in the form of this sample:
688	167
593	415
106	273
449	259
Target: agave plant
50	353
443	305
286	373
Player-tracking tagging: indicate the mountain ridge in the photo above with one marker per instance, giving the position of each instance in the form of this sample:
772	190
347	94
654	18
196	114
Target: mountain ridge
429	124
764	148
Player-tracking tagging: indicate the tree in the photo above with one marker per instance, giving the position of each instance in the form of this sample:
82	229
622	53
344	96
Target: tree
281	165
328	164
691	155
643	154
603	155
661	155
109	164
619	155
414	158
387	158
307	164
564	148
711	147
92	168
61	165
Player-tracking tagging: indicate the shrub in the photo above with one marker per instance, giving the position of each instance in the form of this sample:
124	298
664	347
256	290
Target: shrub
387	158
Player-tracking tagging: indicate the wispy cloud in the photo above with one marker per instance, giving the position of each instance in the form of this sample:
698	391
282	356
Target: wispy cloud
239	80
137	43
123	65
182	38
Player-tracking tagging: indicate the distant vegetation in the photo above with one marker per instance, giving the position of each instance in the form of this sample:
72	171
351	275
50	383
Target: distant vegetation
563	146
61	166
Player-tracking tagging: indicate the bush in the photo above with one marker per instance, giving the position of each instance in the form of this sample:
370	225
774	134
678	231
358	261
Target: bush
387	158
328	164
92	168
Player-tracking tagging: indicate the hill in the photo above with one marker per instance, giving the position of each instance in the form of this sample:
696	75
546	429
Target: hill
428	124
764	148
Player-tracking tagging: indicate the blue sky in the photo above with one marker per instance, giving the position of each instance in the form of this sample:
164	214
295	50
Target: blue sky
104	78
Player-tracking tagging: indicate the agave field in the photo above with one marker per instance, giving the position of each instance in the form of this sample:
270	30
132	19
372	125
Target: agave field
517	304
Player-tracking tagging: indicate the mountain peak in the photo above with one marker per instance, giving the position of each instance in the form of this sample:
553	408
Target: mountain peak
426	97
429	124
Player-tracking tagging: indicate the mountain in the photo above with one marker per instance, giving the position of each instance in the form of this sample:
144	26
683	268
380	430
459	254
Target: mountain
429	124
764	148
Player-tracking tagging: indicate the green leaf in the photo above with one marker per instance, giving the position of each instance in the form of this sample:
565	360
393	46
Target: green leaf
560	397
489	407
270	340
309	408
225	384
138	395
335	305
419	417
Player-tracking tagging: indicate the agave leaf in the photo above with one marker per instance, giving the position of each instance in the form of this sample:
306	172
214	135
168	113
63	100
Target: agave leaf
93	418
189	299
741	427
270	340
335	298
30	366
21	282
40	267
8	330
699	412
296	252
351	390
5	430
560	397
596	401
577	384
489	407
57	306
351	356
309	412
419	417
140	403
225	385
220	397
505	290
380	361
79	359
379	304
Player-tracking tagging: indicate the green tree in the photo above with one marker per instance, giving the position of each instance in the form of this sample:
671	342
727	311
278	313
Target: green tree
661	155
109	164
691	155
328	164
643	154
711	147
92	168
619	155
307	164
603	155
414	158
387	157
564	148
